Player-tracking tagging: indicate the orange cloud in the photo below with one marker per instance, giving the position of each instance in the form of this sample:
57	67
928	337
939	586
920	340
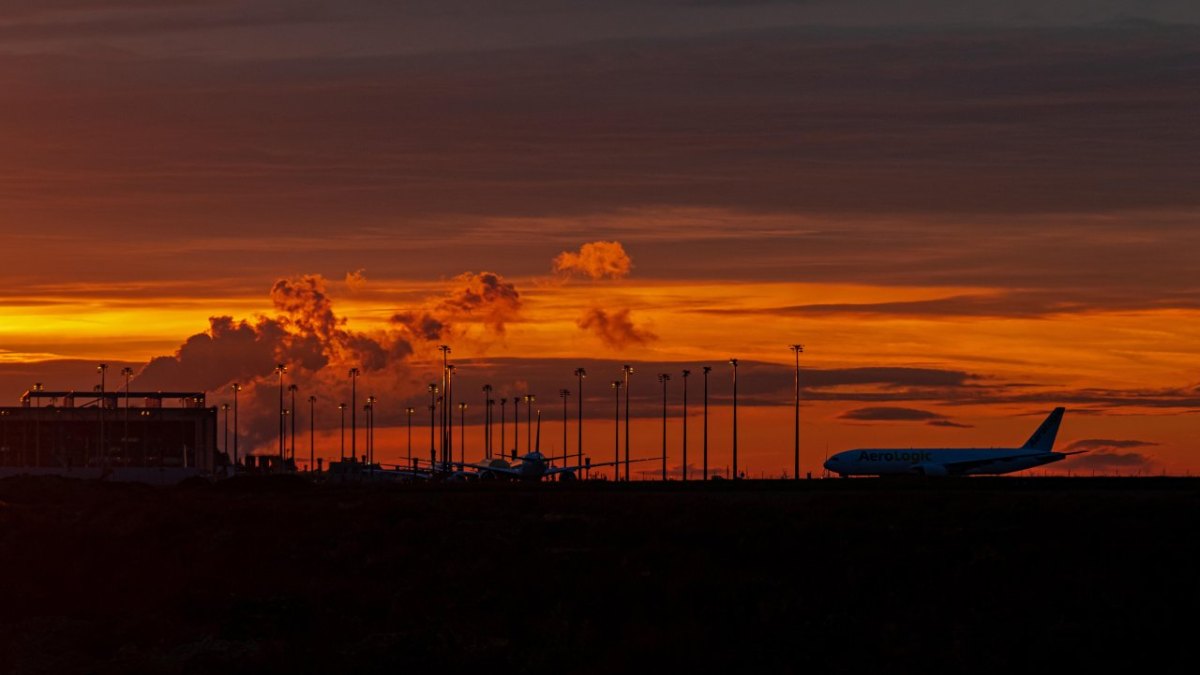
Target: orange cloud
485	297
356	280
614	329
595	260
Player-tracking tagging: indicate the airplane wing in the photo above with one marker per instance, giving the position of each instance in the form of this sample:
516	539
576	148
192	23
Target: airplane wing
576	469
967	465
509	470
632	461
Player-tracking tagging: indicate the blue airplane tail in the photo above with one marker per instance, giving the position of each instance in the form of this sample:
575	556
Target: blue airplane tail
1042	440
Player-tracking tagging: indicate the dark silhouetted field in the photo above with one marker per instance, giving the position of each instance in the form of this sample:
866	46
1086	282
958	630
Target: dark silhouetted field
255	576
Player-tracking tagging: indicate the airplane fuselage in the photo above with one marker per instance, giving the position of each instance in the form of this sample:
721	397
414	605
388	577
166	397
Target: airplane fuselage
937	461
1037	451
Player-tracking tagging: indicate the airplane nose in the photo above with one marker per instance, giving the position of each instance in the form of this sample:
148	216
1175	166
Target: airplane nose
830	463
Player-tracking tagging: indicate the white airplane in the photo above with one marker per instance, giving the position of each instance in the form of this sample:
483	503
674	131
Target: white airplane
533	466
1037	451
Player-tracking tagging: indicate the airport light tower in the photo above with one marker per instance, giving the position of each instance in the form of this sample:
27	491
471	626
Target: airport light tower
292	389
444	418
529	400
342	453
225	409
312	433
734	363
704	474
627	370
127	373
616	386
797	349
565	394
516	425
491	405
580	373
487	421
103	370
448	403
409	411
371	401
354	373
663	378
686	373
462	433
433	390
236	388
281	370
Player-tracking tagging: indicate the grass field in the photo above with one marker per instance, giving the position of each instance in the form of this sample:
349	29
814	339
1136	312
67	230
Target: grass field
279	575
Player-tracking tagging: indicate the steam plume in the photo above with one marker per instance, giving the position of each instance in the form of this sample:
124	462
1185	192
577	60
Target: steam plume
595	260
484	297
615	329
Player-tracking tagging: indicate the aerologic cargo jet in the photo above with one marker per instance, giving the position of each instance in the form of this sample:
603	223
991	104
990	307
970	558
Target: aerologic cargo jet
1037	451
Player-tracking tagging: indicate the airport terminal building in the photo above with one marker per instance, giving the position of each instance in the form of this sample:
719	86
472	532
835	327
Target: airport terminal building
65	430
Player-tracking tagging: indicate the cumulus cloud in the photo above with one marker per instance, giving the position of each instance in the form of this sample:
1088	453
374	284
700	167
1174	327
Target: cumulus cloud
228	351
484	297
615	329
595	260
421	325
356	280
306	334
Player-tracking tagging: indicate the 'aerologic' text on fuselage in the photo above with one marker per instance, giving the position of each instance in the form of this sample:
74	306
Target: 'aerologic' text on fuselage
894	456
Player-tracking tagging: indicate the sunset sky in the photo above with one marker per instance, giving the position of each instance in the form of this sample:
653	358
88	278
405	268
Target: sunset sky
968	212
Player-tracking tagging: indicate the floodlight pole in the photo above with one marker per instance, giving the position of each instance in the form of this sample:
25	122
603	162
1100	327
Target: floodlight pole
797	349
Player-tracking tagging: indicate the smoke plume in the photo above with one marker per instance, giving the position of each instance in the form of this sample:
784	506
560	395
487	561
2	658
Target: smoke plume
484	297
306	335
615	329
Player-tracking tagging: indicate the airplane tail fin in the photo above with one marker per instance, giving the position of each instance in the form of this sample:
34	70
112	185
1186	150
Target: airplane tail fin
1042	440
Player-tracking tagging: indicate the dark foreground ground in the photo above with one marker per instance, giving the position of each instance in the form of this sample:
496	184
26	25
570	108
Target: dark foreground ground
825	576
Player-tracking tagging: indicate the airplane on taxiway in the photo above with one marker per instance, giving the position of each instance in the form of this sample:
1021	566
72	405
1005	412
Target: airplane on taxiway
533	466
1037	451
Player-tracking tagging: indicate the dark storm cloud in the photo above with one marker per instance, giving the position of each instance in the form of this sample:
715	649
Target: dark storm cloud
1106	444
890	414
899	414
